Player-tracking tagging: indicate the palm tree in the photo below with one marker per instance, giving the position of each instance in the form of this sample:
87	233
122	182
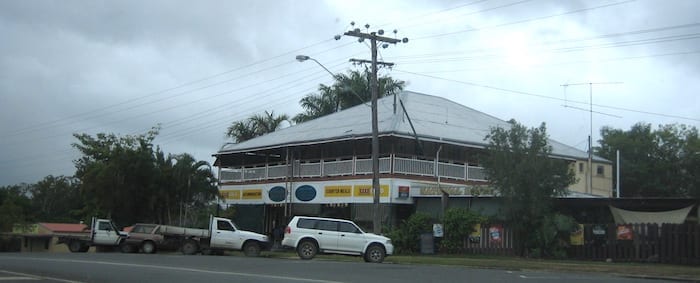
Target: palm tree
348	90
317	105
255	126
163	200
195	184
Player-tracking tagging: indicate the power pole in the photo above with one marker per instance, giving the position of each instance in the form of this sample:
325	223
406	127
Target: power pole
374	37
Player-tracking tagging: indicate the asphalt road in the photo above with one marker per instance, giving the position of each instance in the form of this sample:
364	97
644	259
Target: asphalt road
117	267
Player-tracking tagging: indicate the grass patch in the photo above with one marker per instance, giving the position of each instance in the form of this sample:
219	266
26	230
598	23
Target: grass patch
644	270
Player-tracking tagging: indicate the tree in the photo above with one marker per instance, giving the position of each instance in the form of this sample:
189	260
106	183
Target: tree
347	91
56	199
655	163
519	165
125	179
117	175
195	186
255	126
15	207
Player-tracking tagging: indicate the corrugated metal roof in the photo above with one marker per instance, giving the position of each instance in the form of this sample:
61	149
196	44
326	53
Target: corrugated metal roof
434	118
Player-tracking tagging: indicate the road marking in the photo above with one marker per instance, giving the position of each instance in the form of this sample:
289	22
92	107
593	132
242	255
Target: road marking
171	268
26	276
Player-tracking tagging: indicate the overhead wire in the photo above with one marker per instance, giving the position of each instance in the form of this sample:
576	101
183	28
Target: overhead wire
102	110
525	21
550	97
296	50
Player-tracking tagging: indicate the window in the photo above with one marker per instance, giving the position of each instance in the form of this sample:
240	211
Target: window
600	170
104	226
349	228
224	225
306	223
580	167
327	225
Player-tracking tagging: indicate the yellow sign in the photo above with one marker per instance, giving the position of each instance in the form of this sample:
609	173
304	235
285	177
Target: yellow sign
230	194
477	231
337	191
576	236
366	191
252	194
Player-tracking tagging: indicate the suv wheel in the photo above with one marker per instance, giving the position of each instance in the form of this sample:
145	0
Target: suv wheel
307	249
375	254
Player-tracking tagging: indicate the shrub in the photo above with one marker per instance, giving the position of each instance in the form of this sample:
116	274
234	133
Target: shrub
458	223
406	237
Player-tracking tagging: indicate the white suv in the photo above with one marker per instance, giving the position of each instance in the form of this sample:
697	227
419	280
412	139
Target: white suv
311	235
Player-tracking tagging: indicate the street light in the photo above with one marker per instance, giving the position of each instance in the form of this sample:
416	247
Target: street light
302	58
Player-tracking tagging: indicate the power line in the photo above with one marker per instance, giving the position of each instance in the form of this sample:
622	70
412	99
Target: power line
525	21
101	110
567	63
550	97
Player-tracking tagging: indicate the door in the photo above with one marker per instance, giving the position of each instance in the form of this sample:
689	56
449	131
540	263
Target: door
224	235
327	234
104	233
351	238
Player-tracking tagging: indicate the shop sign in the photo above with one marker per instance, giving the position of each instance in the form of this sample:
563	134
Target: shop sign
576	236
404	191
305	193
598	230
496	234
475	235
624	232
252	194
277	194
230	194
438	232
337	191
457	191
366	191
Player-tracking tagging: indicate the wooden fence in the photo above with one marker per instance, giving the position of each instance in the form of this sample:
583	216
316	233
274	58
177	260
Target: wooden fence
667	243
493	239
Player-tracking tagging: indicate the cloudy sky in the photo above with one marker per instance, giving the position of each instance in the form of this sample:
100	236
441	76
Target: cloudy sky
125	66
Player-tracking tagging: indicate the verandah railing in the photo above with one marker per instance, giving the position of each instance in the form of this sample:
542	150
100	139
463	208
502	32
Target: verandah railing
354	166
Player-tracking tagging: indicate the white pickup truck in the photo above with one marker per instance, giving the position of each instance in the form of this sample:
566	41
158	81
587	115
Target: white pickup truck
222	235
102	233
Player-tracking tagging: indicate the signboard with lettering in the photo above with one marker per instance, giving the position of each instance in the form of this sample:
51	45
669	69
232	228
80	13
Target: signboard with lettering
625	232
576	237
457	191
337	191
438	232
496	234
230	194
252	194
475	235
404	191
366	191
